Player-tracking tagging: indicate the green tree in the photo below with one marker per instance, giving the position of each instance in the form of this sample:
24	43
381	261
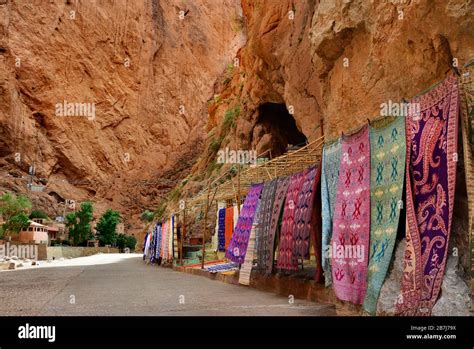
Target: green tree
106	228
16	223
13	210
124	241
79	223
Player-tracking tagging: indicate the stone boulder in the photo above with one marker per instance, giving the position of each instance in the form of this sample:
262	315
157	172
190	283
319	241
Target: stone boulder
455	296
391	286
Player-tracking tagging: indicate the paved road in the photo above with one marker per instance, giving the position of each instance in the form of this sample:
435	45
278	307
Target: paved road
95	286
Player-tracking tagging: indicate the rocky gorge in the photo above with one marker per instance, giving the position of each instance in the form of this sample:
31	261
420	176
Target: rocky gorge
147	67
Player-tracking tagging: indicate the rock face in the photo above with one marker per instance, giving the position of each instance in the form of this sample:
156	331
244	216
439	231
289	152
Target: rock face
391	286
147	67
455	297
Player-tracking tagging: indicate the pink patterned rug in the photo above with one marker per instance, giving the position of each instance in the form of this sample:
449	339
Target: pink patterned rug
351	223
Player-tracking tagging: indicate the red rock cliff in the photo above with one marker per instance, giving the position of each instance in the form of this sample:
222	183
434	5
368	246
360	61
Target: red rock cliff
148	67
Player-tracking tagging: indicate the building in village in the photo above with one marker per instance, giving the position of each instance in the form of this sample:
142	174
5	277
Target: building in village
35	233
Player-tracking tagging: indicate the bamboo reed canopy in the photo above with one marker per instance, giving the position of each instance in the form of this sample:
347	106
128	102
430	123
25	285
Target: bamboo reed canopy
293	161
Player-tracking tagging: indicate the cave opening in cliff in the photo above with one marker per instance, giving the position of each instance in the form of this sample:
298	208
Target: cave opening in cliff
276	131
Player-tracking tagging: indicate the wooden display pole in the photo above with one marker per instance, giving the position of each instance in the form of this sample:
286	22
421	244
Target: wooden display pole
238	189
183	234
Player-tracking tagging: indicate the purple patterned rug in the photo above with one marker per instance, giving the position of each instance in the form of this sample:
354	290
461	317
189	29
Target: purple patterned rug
240	238
221	230
430	182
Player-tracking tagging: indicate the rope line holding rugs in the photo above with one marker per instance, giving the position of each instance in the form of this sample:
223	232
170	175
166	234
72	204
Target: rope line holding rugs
430	180
351	225
388	151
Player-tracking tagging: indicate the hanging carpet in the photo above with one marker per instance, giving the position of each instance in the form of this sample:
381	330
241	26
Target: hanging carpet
388	151
286	258
265	219
240	238
430	182
351	225
329	179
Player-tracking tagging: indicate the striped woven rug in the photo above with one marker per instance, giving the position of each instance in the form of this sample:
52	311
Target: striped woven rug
264	219
221	267
158	241
280	195
164	233
303	214
246	269
286	258
240	238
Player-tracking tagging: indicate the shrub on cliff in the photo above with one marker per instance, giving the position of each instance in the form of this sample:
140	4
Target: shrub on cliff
229	118
146	216
38	214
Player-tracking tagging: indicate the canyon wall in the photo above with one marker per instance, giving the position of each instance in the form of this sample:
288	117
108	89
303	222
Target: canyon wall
147	67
